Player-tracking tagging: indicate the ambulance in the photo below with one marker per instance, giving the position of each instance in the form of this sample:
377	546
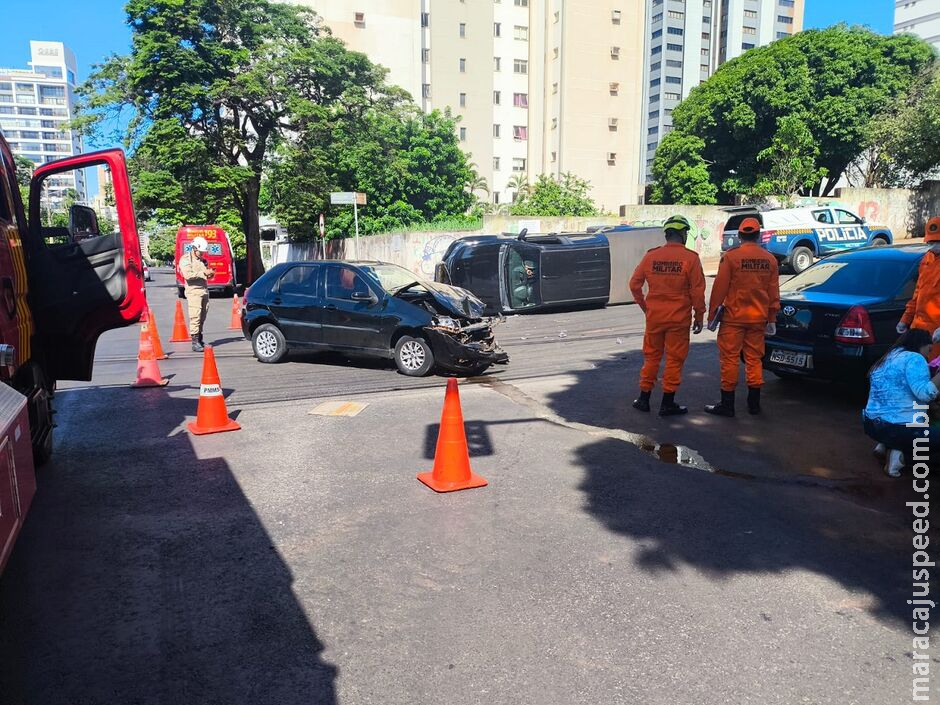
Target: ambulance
796	236
220	257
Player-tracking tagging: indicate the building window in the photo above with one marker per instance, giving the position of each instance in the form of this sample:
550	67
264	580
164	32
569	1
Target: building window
495	163
425	56
653	115
706	19
783	19
676	15
652	131
555	53
704	52
651	146
656	50
672	96
750	13
658	18
654	98
520	32
674	63
497	97
520	3
463	134
495	130
495	198
425	19
463	100
655	67
676	31
359	19
496	63
520	100
426	90
789	3
655	82
520	66
749	30
554	123
657	34
674	47
554	156
463	66
520	132
554	88
705	67
781	35
517	163
614	88
673	79
462	30
707	36
497	29
747	45
615	53
612	124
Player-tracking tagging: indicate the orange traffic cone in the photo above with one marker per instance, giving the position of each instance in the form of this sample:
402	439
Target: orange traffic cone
158	352
211	415
452	458
148	371
180	331
236	322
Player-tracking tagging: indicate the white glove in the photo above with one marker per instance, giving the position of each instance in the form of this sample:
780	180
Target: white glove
770	328
902	328
936	336
697	327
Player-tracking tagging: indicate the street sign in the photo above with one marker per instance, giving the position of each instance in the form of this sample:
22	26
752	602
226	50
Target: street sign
347	198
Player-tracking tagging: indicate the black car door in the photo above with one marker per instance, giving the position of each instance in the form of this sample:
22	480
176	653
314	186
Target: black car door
352	312
522	269
575	274
297	305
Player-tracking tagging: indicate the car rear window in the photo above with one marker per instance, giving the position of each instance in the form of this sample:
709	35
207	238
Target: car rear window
735	220
853	277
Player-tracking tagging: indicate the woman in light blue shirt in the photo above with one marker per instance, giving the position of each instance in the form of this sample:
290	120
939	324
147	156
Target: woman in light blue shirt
901	390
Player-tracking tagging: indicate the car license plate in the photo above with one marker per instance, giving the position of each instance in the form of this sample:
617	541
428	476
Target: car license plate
791	359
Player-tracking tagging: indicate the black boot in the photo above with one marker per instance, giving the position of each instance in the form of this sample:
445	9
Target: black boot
753	400
669	406
725	407
197	343
642	402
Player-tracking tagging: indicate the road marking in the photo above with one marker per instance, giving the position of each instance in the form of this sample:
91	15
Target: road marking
338	408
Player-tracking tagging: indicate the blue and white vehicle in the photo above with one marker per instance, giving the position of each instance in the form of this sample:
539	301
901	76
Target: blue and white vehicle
796	236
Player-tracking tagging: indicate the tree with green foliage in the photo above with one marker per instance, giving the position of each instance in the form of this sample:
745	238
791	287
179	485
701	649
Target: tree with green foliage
834	81
566	196
24	173
680	172
790	162
225	81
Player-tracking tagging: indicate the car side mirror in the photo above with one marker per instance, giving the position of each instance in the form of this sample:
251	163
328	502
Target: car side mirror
83	223
363	296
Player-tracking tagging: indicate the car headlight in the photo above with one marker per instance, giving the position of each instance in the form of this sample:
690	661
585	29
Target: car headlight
447	322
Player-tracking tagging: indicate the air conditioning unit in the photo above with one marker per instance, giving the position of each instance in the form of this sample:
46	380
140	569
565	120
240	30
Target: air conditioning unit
615	52
612	123
360	18
615	16
611	157
614	88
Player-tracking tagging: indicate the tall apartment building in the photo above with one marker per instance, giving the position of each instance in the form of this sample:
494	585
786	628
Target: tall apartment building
35	107
540	86
920	17
688	41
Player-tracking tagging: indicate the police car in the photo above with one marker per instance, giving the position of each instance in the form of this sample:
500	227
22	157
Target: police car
798	235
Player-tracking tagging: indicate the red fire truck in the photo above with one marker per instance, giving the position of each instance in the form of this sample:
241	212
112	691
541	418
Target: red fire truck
61	287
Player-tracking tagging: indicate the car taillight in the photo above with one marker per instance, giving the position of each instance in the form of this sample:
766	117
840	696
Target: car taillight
855	327
766	235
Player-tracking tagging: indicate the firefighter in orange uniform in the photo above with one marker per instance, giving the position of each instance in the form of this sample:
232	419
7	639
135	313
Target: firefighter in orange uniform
676	283
748	287
923	310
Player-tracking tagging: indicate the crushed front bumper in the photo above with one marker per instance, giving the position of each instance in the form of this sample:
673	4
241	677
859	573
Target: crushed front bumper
467	348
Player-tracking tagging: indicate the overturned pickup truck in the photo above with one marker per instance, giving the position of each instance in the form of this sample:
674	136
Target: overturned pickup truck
369	308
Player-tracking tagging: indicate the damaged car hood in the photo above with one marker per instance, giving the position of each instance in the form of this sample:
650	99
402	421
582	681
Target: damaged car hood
455	301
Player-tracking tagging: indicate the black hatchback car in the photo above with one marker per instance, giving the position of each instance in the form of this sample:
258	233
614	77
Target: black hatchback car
838	317
369	308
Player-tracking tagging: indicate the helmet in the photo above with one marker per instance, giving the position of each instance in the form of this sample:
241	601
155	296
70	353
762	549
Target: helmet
677	222
932	230
749	226
200	244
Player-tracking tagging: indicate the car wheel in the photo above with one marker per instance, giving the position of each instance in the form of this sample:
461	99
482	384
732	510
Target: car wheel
180	292
413	356
801	259
268	343
879	242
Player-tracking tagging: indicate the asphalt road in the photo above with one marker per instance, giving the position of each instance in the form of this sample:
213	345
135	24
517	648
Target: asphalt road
614	558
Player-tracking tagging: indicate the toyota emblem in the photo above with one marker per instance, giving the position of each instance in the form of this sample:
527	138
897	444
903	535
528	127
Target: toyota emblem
789	310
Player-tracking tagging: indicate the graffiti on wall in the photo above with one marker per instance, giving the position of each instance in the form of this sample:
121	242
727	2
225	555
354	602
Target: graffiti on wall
425	255
699	235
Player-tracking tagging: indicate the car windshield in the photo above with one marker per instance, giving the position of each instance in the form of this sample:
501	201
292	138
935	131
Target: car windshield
390	276
853	276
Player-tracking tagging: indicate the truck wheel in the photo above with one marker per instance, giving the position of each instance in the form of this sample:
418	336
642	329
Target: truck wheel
879	242
268	343
413	356
800	259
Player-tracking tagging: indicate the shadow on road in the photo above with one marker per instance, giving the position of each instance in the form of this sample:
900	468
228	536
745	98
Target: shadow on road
144	575
856	535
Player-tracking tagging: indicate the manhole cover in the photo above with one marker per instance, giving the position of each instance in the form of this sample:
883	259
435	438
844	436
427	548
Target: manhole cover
338	408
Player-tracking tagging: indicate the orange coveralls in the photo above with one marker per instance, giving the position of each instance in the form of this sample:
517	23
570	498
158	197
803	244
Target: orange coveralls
676	284
748	285
923	310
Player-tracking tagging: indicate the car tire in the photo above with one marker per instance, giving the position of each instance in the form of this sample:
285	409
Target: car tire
180	292
413	356
800	259
268	344
879	242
